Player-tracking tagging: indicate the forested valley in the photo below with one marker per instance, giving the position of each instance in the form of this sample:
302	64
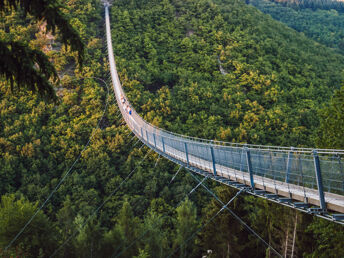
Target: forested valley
215	69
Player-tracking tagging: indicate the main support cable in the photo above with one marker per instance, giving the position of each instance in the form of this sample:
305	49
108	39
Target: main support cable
69	170
136	142
143	144
180	167
100	206
156	163
144	233
237	217
132	138
210	220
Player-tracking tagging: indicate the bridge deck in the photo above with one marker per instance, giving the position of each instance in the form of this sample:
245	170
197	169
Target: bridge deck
333	201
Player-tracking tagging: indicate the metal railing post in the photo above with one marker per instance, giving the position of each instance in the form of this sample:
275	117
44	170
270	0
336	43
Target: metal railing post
163	144
241	159
289	161
186	153
319	180
154	140
249	166
213	159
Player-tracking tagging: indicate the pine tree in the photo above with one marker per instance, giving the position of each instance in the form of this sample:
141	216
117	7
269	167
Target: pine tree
155	240
28	68
38	239
127	226
185	224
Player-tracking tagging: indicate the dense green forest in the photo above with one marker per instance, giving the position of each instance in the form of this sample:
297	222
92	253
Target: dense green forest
324	26
280	88
313	4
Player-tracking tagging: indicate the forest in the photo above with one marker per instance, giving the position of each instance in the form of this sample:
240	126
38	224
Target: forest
313	4
280	87
322	25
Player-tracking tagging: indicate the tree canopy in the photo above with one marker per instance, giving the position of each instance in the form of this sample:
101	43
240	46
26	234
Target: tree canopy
27	68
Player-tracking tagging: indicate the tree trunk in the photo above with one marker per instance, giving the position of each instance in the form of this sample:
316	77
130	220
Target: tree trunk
294	237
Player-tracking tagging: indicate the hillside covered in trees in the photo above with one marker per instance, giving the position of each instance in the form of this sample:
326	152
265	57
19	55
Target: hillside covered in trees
323	25
313	4
276	87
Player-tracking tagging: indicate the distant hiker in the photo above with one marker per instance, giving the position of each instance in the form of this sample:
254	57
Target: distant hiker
122	99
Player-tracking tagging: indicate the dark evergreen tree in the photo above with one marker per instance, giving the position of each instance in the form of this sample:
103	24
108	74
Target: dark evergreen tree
185	224
28	68
38	240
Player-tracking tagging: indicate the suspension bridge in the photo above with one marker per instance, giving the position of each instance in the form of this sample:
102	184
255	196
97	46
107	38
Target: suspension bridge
306	179
310	180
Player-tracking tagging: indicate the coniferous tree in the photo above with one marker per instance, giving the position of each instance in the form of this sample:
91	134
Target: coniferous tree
155	240
28	68
127	226
186	225
37	240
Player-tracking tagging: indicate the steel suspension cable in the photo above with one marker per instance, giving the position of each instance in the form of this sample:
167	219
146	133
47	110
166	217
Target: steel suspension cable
156	163
68	172
136	142
143	144
237	217
132	138
100	206
174	176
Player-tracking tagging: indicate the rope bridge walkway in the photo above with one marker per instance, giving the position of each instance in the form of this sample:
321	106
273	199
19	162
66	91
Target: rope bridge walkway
302	178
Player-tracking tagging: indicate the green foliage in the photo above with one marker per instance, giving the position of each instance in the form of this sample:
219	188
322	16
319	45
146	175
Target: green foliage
155	240
324	26
37	240
230	240
53	14
142	254
127	226
329	239
18	63
313	4
185	224
331	130
29	68
89	239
